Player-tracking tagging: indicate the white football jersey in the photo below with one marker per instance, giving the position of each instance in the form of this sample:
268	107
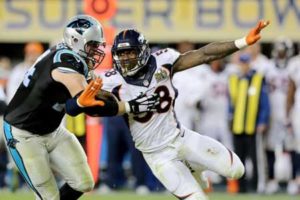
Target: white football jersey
213	91
261	64
213	94
150	131
188	83
277	79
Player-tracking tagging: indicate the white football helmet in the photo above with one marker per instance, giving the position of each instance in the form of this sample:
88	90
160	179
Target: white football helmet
283	50
84	35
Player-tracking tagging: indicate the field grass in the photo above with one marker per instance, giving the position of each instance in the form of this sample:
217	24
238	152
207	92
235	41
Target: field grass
5	195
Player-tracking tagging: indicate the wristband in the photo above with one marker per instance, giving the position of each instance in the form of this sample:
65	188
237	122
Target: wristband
241	43
127	107
81	106
72	107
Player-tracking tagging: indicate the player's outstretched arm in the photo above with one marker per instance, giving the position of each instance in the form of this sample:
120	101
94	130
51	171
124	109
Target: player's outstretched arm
217	50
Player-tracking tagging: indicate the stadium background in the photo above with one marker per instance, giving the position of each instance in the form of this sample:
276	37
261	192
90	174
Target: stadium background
163	22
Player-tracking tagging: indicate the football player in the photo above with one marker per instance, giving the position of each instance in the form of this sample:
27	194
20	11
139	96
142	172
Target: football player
293	111
57	84
277	138
212	102
175	154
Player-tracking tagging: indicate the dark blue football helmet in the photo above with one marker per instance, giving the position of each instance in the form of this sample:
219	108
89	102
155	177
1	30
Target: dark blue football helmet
130	39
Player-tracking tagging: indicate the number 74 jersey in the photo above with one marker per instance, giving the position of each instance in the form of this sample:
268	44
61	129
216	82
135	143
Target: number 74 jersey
151	131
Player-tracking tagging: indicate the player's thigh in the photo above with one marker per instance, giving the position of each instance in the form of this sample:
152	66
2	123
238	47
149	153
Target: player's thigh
206	153
275	136
32	160
69	160
172	173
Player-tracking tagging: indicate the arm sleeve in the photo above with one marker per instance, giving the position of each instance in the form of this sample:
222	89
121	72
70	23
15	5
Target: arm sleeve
110	108
167	57
2	107
264	106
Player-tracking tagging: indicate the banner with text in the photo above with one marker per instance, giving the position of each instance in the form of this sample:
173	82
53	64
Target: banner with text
159	20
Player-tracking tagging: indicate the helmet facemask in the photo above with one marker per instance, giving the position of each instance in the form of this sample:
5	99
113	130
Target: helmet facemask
93	54
131	65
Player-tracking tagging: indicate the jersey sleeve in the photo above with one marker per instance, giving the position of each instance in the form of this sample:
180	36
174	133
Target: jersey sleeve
67	61
110	80
167	56
292	69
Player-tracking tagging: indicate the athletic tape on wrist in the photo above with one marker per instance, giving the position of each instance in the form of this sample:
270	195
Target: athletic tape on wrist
241	43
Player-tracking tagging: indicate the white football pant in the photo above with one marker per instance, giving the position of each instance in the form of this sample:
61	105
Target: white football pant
191	152
38	156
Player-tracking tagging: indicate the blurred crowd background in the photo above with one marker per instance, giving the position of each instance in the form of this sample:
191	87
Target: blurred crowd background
207	94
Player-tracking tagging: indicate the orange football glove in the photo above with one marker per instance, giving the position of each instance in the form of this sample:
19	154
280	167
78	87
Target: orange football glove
253	36
87	97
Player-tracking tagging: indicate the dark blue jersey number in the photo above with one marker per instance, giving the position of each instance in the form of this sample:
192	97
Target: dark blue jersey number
110	73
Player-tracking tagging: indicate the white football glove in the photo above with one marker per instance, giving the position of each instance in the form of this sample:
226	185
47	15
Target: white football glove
144	103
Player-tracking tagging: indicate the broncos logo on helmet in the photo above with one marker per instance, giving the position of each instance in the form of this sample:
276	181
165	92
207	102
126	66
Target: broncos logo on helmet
130	52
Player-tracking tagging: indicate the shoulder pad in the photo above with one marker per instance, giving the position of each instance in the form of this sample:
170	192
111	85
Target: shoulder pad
166	56
111	78
69	60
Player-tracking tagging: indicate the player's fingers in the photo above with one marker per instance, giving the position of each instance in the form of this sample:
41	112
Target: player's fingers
94	87
264	24
98	85
89	89
261	25
98	81
100	103
256	38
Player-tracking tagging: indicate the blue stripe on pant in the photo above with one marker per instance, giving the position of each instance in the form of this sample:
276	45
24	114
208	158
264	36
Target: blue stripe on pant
17	157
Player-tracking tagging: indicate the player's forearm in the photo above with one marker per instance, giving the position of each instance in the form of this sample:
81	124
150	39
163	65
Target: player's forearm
206	54
216	50
122	108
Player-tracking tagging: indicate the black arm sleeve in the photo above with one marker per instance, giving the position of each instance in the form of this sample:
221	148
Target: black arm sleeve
110	108
2	107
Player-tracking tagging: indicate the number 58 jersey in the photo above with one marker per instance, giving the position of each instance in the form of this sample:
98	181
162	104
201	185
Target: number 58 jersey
151	131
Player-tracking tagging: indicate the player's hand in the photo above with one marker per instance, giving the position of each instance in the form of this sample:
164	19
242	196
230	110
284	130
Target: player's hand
144	103
261	128
87	97
289	127
254	34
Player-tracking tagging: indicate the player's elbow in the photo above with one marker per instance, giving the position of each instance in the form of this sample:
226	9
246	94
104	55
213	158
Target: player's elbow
85	186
